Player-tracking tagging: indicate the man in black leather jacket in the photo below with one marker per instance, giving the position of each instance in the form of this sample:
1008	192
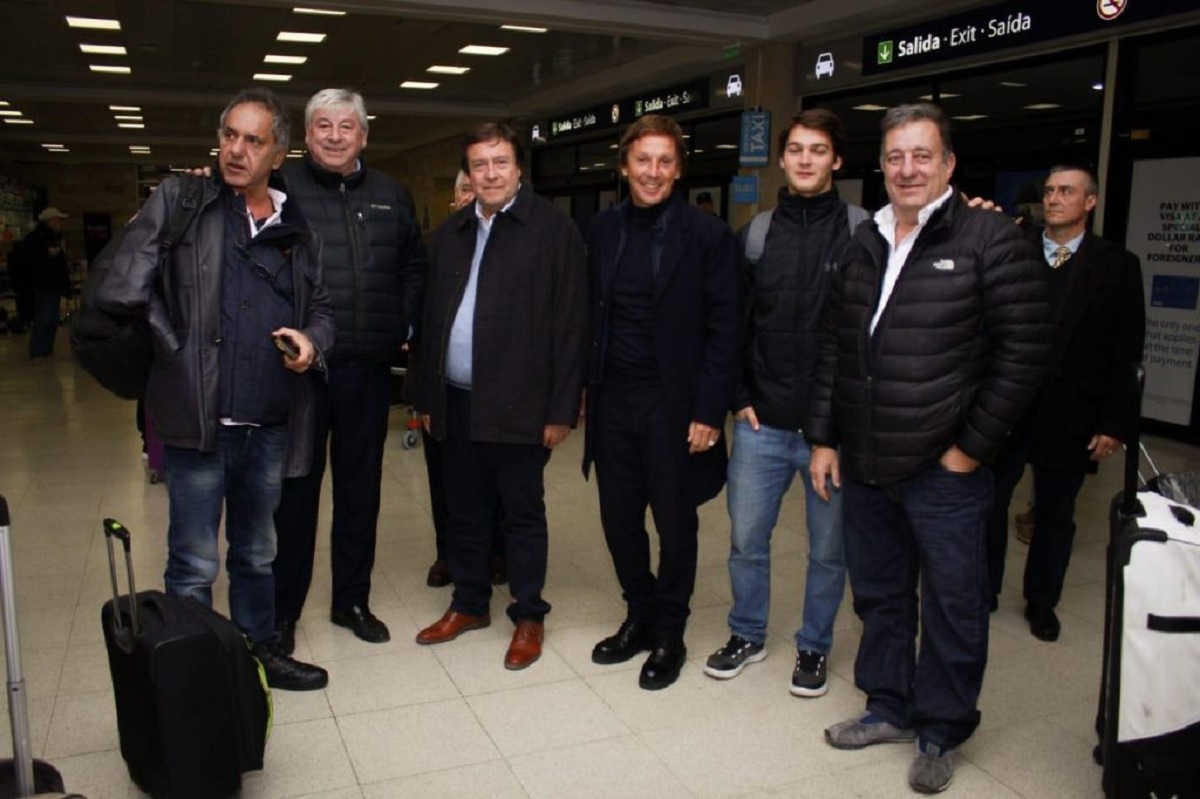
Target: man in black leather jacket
374	267
234	414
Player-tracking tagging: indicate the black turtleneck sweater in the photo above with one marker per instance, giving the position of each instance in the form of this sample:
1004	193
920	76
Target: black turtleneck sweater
786	289
631	354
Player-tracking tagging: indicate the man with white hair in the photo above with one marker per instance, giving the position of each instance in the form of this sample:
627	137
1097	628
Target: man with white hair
374	266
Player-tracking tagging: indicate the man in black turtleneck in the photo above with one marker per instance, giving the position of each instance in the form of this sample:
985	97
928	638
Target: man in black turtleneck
789	257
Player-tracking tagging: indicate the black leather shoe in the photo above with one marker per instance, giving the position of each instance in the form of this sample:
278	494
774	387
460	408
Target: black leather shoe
633	637
1043	622
288	674
362	622
664	664
439	574
287	635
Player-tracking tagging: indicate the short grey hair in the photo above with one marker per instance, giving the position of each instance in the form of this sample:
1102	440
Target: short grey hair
917	112
336	98
1093	184
281	123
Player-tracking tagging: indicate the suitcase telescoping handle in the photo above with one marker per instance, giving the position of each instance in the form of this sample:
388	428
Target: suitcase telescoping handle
18	708
114	529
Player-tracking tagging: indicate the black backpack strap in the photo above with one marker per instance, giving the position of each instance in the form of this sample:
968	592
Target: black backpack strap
187	204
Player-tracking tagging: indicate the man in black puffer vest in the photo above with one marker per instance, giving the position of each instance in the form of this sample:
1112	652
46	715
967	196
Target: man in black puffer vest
374	266
937	334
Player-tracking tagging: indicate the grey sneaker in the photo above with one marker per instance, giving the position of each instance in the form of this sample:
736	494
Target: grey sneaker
728	661
808	678
857	733
932	769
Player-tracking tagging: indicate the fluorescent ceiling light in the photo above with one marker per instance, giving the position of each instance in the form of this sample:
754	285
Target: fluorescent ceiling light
103	49
1012	84
57	150
697	150
418	84
297	36
284	59
524	28
94	23
483	49
1098	86
128	118
124	108
322	11
51	146
601	164
446	70
295	155
943	96
271	76
614	147
870	107
727	146
1042	106
109	69
22	121
3	102
10	114
370	117
131	125
970	117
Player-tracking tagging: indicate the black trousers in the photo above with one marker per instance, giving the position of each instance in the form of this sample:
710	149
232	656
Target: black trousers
641	461
1054	495
437	500
352	422
480	480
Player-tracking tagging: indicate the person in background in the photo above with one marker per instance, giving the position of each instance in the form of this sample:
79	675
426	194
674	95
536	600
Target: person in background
48	280
661	377
1087	406
374	266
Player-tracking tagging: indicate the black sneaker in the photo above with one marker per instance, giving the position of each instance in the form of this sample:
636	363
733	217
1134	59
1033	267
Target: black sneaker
808	678
287	635
289	674
728	661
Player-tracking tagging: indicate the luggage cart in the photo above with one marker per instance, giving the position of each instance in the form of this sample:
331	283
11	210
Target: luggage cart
412	428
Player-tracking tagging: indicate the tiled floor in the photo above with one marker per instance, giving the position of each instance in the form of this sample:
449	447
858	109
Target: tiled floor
403	720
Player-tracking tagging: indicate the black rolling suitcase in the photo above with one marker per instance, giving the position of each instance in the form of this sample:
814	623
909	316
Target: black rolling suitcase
1149	717
193	708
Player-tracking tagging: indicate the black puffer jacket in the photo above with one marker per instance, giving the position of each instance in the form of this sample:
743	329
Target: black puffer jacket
372	257
957	355
783	295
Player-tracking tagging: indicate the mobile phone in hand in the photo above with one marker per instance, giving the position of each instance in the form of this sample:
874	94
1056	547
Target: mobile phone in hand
286	346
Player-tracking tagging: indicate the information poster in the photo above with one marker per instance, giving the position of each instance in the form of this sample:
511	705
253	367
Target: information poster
1164	232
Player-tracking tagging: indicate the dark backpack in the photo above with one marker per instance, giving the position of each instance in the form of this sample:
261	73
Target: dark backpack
117	350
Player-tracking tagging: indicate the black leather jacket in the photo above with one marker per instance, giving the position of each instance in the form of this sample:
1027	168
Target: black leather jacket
183	305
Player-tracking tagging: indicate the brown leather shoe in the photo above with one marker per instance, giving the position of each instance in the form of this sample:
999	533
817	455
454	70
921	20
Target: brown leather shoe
526	646
451	625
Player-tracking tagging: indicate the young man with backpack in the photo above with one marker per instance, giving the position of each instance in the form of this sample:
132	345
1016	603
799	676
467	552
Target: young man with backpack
790	258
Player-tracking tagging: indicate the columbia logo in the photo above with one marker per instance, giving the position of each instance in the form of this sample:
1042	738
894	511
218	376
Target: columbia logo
376	207
944	265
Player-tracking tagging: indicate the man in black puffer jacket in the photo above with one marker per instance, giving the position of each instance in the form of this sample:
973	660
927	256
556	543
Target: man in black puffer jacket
936	339
374	266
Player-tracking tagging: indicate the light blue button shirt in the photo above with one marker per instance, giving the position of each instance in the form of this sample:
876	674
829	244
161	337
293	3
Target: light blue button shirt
1050	246
462	334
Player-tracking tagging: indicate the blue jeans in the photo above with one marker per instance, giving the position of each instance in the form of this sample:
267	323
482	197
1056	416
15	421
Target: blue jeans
245	475
761	469
931	528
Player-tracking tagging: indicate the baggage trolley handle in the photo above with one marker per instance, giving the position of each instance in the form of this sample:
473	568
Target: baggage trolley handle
114	529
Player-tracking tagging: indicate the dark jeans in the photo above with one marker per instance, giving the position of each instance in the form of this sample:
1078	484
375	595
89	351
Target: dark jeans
437	500
927	529
479	478
352	422
1055	492
244	475
641	461
47	305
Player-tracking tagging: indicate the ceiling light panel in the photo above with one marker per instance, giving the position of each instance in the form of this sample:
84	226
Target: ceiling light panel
275	76
284	59
523	28
483	49
1042	106
8	113
299	36
325	12
870	107
109	69
22	121
103	49
94	23
418	84
131	125
441	69
129	118
124	108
